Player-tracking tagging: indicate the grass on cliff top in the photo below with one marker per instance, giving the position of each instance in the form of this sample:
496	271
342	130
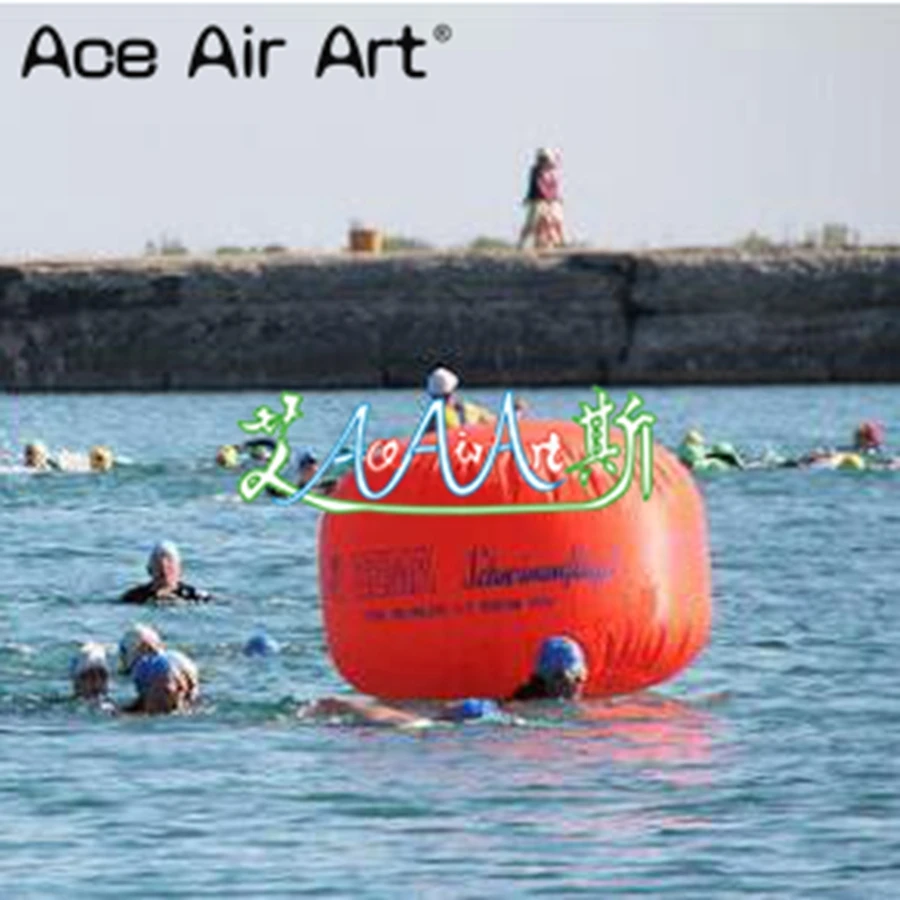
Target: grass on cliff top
255	259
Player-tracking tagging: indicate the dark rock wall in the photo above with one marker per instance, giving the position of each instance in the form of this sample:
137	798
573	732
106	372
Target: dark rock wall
665	317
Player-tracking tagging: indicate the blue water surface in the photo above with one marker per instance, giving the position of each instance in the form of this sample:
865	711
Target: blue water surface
786	787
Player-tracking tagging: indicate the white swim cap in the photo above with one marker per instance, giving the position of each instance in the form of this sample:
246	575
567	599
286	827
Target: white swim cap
442	382
185	664
138	640
187	667
162	550
90	656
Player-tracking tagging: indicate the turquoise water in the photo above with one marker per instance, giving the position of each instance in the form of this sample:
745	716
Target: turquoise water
787	787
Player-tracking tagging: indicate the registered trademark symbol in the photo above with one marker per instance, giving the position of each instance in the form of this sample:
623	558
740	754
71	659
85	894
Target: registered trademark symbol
442	33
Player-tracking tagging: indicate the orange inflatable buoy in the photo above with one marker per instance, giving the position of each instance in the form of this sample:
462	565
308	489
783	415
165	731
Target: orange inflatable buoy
448	606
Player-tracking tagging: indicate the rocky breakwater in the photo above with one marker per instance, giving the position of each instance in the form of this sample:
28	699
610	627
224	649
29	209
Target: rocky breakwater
700	316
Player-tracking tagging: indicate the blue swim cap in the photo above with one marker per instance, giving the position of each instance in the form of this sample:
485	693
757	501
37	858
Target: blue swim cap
560	656
472	708
260	644
149	668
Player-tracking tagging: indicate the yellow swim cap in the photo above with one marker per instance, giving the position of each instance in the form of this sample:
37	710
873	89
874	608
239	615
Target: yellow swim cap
851	461
694	437
101	458
227	456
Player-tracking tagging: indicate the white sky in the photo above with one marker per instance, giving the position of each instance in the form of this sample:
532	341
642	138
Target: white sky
677	125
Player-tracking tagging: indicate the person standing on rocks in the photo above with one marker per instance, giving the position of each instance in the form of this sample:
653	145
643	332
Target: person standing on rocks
544	218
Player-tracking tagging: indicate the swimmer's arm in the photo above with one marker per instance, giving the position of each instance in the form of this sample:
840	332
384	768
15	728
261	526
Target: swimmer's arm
369	712
189	592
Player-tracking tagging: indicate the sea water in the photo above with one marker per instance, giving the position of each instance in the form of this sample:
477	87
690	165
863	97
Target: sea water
772	770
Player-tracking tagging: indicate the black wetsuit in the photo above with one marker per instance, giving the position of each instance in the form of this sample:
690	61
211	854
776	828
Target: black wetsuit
146	593
533	689
258	444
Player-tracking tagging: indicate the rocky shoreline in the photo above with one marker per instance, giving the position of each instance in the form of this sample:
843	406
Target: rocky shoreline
578	317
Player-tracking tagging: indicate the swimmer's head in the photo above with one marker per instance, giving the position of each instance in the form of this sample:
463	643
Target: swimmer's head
260	644
149	669
869	436
137	642
441	383
694	438
520	405
36	455
227	456
562	666
156	681
89	671
165	682
307	466
101	458
164	564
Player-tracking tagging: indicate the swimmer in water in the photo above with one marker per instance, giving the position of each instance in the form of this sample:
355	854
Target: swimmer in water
260	644
258	449
560	673
100	459
139	641
37	457
166	682
869	446
228	457
307	469
442	385
89	671
694	452
165	569
234	456
866	452
869	438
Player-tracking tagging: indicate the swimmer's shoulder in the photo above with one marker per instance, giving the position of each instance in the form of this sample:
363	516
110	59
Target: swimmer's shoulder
143	593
